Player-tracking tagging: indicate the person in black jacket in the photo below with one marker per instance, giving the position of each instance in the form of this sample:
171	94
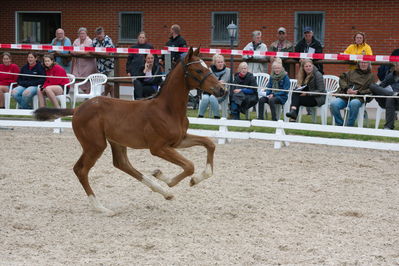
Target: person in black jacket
27	85
176	40
388	87
145	87
134	61
242	98
384	70
309	44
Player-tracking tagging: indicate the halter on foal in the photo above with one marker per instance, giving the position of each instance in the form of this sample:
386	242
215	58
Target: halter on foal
159	124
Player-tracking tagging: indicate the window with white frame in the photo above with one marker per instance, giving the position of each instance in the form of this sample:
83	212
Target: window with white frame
313	19
36	27
130	25
220	21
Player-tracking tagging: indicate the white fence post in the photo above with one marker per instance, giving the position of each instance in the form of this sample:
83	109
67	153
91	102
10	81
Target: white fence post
280	132
223	129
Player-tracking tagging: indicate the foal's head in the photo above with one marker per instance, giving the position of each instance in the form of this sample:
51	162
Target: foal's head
198	75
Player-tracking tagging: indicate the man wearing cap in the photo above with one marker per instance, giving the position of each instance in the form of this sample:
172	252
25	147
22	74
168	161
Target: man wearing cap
282	45
256	45
309	44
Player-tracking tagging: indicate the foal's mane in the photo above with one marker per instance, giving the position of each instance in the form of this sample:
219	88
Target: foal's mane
164	83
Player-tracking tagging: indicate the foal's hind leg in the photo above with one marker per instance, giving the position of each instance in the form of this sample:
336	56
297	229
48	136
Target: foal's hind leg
121	161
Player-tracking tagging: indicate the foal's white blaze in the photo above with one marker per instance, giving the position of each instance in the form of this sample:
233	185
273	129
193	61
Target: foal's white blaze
154	186
204	64
98	207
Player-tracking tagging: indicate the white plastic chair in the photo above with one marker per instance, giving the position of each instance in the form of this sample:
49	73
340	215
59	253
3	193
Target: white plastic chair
61	98
7	96
378	115
286	106
261	79
96	87
331	84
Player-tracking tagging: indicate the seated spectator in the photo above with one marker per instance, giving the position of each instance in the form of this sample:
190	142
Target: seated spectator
145	87
242	98
256	45
388	87
384	70
309	80
278	80
222	73
7	79
353	82
52	86
359	46
134	61
83	66
27	85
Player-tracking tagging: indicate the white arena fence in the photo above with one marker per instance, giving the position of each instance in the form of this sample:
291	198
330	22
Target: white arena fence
224	135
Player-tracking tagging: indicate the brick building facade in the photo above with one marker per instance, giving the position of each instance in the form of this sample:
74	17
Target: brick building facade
340	20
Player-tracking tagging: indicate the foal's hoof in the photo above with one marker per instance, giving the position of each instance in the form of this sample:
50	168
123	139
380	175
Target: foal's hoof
169	197
157	173
193	182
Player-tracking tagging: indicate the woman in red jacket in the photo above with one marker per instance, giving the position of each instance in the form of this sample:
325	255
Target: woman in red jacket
7	79
53	86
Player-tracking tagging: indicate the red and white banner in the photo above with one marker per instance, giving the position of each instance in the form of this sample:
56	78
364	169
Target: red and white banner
167	50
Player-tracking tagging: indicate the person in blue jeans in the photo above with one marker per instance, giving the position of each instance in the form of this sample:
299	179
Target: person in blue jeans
222	73
278	80
353	82
242	98
27	85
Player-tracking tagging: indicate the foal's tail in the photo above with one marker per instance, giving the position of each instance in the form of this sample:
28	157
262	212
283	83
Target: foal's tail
45	113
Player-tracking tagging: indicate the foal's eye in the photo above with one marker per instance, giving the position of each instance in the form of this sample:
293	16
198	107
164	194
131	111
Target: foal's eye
199	71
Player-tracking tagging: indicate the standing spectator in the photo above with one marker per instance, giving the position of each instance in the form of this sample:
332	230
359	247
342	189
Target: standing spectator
83	67
353	82
7	79
242	98
175	40
309	80
309	44
61	40
27	85
105	65
145	87
256	45
282	45
278	80
359	47
134	61
222	73
52	86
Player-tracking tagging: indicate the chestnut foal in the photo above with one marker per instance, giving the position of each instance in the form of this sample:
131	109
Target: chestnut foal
159	124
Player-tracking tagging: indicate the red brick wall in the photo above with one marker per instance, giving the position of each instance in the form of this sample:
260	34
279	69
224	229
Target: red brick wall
342	20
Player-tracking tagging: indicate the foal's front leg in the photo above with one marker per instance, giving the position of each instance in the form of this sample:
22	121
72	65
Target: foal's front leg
189	141
171	155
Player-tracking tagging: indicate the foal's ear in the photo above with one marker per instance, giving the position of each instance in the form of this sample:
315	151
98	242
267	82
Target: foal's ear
197	51
189	54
